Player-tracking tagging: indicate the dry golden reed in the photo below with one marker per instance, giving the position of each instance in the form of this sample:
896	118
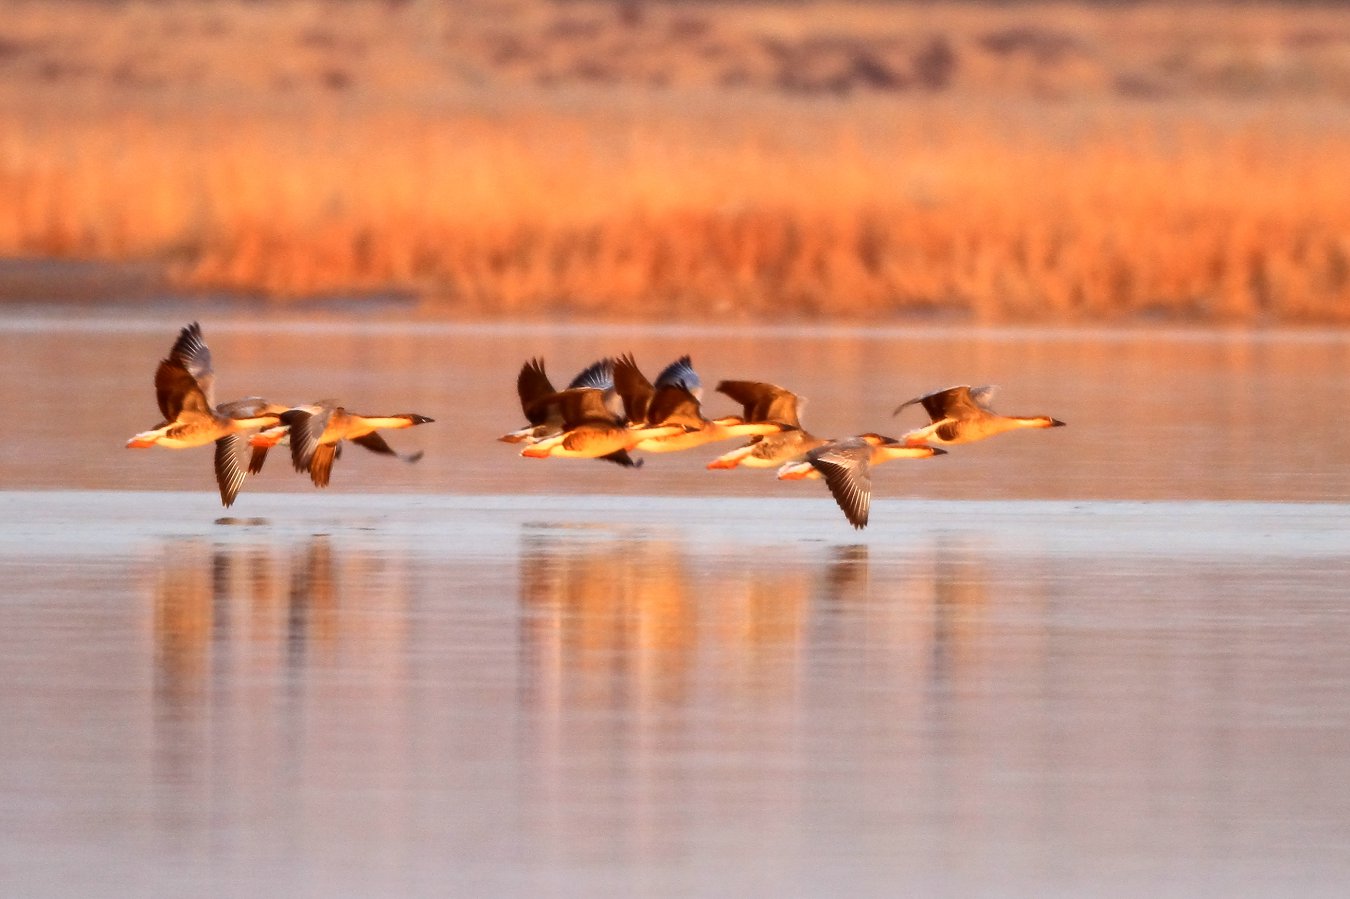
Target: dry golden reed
1030	161
790	214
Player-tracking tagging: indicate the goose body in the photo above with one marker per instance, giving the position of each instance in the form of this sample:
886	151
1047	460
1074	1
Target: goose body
590	429
767	403
317	431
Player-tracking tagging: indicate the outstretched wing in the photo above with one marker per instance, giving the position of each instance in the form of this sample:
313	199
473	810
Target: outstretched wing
190	350
673	404
847	469
321	463
981	396
376	444
961	401
229	473
621	457
599	373
763	402
633	388
176	390
583	405
531	384
680	373
307	428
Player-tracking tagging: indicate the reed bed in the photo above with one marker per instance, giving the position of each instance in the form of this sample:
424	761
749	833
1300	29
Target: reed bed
923	211
1030	161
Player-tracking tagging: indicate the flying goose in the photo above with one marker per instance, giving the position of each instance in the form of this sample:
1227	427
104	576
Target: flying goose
316	432
675	400
185	391
846	466
766	403
590	429
962	415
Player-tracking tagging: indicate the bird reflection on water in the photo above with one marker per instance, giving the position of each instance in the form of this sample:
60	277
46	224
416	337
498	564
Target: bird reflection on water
245	633
641	681
633	620
211	599
635	647
630	619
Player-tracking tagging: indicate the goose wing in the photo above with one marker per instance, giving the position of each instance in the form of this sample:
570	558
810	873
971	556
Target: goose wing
177	390
531	384
581	405
981	396
633	388
621	457
191	351
256	460
846	466
321	463
961	401
229	473
680	373
763	402
599	373
307	426
675	405
377	444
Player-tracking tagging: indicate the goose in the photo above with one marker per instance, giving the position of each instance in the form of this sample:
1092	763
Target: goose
962	415
846	466
767	403
316	432
675	400
590	429
545	418
544	413
185	391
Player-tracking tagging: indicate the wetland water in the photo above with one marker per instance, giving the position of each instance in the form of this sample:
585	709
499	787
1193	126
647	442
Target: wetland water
1111	658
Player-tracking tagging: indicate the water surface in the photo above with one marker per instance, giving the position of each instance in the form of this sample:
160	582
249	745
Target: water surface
1152	415
1108	659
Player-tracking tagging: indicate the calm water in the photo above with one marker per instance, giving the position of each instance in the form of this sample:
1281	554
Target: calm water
1108	659
1152	416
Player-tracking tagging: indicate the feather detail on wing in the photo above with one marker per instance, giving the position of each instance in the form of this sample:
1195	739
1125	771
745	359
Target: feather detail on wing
848	474
306	429
191	352
321	463
176	389
229	473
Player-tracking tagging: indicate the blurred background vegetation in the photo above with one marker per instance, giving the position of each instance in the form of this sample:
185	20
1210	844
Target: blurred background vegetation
757	160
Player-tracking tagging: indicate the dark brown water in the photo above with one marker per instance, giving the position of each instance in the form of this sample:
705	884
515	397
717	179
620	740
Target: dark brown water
1109	659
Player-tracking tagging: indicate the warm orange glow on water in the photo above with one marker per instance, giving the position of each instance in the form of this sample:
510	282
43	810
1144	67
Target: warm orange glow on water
380	696
1151	415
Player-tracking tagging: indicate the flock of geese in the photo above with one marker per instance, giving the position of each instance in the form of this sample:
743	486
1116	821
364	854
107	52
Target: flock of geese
608	411
185	389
